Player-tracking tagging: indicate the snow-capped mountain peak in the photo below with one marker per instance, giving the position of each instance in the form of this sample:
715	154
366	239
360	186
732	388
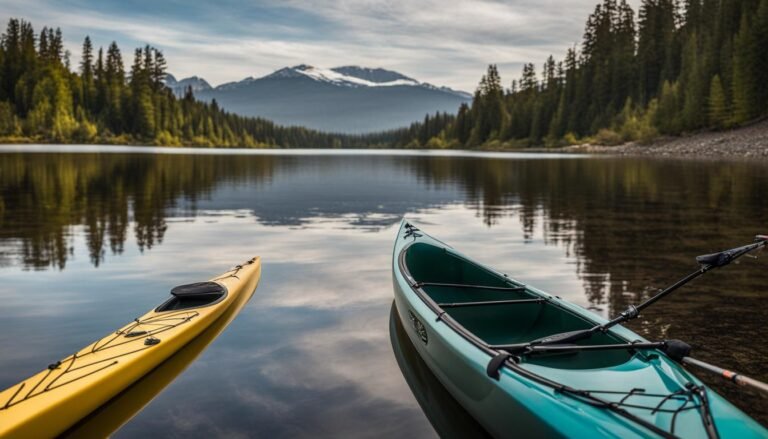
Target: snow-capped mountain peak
345	76
350	76
350	99
377	75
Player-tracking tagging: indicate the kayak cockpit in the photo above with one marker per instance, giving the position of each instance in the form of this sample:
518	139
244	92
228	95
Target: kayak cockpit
497	310
194	295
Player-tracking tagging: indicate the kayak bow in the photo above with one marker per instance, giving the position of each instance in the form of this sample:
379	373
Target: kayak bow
516	358
47	404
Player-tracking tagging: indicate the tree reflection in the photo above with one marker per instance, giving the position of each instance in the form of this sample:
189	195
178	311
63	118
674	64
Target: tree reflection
43	196
622	220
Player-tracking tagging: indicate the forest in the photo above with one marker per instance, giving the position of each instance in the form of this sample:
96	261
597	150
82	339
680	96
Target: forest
43	100
673	68
669	70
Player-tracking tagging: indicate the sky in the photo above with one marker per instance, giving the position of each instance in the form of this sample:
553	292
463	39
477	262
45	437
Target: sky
444	42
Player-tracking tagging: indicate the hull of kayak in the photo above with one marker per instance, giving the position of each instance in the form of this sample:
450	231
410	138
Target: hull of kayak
462	372
519	403
49	403
447	416
123	407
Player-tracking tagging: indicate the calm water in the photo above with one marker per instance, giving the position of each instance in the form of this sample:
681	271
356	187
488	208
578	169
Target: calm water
90	240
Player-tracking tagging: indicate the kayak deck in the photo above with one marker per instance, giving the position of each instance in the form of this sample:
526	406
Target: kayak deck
51	401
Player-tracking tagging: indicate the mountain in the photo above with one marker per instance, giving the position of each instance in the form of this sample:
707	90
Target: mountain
180	87
347	99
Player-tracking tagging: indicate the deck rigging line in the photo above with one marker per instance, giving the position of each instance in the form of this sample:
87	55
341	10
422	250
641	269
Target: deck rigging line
163	322
691	394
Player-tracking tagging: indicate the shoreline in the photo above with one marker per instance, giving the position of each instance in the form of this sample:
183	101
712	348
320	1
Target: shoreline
748	142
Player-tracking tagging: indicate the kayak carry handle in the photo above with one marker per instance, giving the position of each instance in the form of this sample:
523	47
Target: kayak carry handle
496	363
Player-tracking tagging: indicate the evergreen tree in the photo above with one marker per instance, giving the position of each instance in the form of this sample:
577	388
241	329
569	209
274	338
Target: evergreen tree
9	125
742	75
55	46
87	74
143	113
759	57
43	44
114	84
463	126
691	76
657	45
717	107
634	80
159	67
668	113
669	72
86	62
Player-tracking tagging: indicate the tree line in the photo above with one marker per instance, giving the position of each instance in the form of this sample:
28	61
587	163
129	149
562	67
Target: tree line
678	68
670	69
43	99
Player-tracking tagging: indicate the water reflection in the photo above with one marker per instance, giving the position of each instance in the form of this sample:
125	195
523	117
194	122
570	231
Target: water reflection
446	415
105	235
109	417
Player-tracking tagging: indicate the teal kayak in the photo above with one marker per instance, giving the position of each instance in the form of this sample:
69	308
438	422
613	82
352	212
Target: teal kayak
493	343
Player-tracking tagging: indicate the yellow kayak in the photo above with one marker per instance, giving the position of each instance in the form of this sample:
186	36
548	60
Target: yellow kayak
49	403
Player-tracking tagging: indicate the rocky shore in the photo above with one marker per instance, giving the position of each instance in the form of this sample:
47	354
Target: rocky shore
750	142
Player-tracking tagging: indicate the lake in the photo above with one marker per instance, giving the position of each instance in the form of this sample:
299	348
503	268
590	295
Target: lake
92	237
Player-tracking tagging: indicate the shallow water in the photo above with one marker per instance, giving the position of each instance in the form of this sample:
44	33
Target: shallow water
93	237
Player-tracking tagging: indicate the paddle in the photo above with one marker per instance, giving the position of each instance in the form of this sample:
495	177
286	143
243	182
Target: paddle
678	351
707	262
737	378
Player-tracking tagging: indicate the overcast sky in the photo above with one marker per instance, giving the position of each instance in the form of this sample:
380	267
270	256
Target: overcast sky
445	42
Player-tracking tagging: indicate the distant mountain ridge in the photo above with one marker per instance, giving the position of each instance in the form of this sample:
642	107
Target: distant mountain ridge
347	99
180	87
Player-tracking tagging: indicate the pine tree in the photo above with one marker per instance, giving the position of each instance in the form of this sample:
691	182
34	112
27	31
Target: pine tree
759	56
742	75
86	61
691	76
114	83
43	43
158	69
100	83
12	67
55	46
9	125
717	107
494	103
143	108
86	73
657	46
668	113
27	65
462	127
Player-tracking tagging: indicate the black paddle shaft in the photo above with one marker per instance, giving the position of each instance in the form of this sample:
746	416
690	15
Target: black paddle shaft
708	262
634	311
